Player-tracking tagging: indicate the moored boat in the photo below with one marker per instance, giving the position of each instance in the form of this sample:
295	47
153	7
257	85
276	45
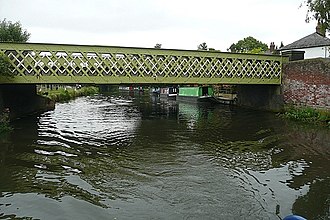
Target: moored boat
196	94
155	90
169	92
225	94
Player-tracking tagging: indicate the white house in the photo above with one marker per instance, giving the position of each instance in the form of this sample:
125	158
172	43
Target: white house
314	45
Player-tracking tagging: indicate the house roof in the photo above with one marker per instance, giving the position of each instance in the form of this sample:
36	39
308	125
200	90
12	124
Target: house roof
312	40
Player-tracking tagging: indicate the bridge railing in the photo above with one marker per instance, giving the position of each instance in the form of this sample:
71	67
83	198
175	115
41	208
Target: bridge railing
54	63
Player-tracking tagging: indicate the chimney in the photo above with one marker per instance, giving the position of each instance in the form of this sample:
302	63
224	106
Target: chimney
272	47
320	30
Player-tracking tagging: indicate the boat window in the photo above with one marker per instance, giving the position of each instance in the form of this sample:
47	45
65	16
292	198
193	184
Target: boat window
205	91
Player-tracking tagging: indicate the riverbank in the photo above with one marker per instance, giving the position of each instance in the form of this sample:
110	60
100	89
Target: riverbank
58	95
66	94
307	114
5	122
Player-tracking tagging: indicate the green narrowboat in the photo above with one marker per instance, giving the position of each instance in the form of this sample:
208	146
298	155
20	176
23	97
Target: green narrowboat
196	94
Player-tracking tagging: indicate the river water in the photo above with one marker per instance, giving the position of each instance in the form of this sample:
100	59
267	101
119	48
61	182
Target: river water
134	156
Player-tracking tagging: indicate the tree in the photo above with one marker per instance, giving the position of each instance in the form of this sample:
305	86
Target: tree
13	32
4	65
248	45
320	11
158	46
202	46
10	32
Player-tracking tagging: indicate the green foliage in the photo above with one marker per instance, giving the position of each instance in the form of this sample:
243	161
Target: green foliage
248	45
63	95
90	90
5	65
158	46
13	32
320	11
256	50
308	114
202	46
4	122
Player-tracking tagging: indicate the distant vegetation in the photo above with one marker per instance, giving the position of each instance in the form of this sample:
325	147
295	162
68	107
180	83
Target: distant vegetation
10	32
158	46
66	94
13	32
248	45
202	46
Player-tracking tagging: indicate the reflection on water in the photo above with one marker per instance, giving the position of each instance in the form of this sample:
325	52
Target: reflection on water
134	156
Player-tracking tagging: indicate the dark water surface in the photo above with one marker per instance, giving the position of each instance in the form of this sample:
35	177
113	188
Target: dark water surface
138	157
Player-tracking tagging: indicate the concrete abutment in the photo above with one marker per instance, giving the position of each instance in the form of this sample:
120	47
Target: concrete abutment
261	97
22	100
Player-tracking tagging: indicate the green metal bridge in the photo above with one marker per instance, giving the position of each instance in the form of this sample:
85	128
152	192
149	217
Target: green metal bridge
37	63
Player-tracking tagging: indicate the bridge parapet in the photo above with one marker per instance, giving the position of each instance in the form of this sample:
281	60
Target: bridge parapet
36	63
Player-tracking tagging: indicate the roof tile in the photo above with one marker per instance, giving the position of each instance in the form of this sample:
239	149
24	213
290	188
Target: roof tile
312	40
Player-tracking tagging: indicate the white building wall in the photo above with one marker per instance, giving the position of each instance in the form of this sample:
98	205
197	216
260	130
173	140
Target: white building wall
315	52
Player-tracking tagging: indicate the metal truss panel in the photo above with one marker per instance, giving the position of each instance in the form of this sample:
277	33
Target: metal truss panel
36	63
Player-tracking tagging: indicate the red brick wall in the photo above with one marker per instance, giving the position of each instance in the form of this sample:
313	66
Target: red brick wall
307	83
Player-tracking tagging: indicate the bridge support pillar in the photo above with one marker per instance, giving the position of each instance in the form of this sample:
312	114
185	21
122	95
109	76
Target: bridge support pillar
261	97
22	100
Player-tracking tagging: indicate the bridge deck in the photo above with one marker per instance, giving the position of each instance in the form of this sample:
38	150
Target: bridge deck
36	63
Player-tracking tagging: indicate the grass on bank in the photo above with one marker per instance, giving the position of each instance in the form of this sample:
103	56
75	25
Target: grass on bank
66	94
308	114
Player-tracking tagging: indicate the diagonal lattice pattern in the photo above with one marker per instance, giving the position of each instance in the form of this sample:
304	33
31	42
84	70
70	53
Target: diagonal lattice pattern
53	63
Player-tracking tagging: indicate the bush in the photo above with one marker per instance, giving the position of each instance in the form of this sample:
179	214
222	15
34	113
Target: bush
63	95
5	65
85	91
4	121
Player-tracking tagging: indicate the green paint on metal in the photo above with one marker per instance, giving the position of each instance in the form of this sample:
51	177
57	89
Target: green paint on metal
56	63
189	91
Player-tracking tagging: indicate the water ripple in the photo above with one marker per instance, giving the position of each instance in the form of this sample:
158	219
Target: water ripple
107	122
103	155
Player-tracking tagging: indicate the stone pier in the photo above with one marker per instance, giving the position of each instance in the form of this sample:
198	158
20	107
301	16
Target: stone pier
22	100
261	97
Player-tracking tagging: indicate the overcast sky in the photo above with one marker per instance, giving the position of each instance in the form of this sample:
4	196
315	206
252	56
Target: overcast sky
176	24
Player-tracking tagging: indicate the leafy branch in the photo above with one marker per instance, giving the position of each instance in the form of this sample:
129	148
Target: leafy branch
5	65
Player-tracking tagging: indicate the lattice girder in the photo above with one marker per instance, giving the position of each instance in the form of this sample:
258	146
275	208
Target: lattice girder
55	63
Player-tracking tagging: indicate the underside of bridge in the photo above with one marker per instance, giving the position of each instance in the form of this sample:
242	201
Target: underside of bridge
261	97
22	100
